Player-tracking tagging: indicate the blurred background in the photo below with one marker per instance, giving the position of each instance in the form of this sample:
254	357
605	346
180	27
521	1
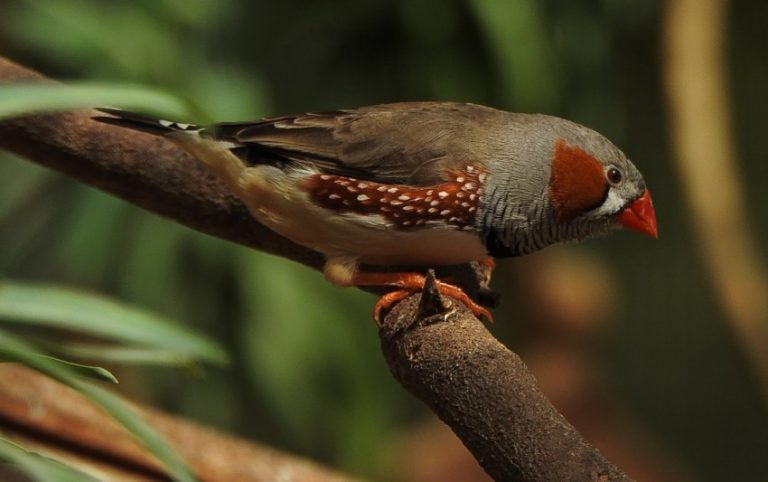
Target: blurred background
635	341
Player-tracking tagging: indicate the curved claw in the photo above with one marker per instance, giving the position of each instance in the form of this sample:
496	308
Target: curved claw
387	301
458	293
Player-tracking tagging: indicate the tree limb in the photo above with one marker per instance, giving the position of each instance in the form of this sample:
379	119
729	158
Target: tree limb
449	360
486	394
55	420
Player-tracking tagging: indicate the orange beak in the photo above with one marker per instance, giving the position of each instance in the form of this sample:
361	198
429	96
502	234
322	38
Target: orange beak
640	216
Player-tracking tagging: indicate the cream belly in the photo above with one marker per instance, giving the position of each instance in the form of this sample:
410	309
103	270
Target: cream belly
273	199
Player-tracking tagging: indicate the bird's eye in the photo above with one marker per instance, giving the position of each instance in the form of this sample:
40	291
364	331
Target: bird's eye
614	175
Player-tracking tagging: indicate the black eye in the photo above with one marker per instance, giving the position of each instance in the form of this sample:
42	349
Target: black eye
614	175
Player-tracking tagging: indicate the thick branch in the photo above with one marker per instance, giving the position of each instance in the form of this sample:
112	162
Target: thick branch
477	386
485	393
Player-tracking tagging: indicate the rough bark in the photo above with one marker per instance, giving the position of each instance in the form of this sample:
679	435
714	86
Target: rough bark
485	393
448	359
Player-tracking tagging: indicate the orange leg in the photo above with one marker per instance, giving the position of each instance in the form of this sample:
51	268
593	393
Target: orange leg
409	283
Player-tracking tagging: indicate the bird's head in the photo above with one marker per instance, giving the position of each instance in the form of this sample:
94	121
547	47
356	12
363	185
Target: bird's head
593	183
561	182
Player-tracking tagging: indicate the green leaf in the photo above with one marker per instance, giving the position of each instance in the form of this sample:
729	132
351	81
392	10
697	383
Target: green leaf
38	466
22	99
125	355
64	308
11	346
110	402
96	373
124	414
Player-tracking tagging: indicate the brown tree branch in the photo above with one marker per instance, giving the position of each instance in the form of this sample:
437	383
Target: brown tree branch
486	394
53	419
450	361
144	170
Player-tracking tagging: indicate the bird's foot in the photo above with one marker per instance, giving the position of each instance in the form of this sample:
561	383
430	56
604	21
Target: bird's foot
409	283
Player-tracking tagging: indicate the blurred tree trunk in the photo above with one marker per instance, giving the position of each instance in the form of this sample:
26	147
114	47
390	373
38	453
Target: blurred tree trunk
697	93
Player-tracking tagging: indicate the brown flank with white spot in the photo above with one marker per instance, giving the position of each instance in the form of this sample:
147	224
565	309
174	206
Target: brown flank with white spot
453	202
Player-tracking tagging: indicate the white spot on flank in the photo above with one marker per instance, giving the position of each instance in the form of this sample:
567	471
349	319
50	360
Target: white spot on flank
408	208
362	185
396	202
453	219
469	186
392	190
334	196
472	197
407	223
432	210
465	205
459	179
325	177
381	188
445	212
442	194
482	177
403	197
472	209
363	197
460	194
429	193
352	189
434	203
470	169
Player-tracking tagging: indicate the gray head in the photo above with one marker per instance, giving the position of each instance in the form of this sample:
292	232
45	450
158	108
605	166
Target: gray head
559	181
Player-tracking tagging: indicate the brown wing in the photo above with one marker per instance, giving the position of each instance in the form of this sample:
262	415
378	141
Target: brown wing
386	143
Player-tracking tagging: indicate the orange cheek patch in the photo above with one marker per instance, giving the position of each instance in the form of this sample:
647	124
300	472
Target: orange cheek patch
577	183
454	202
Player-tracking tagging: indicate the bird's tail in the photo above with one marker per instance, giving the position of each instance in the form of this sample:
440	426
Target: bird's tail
141	122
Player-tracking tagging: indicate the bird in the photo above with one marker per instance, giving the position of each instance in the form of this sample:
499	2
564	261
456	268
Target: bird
417	184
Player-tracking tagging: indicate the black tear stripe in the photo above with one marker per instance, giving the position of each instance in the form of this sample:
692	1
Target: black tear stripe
600	203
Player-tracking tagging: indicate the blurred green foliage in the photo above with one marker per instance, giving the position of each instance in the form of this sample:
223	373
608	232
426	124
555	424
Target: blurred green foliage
38	466
83	315
307	374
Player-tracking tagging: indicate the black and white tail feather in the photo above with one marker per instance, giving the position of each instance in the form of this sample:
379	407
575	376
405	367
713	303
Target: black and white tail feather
144	123
220	155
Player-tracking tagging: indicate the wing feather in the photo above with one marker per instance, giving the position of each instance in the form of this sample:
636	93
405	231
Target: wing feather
386	143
